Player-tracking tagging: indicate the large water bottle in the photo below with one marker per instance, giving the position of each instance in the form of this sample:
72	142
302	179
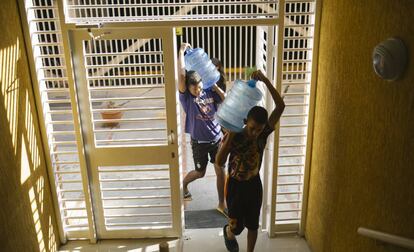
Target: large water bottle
197	60
239	100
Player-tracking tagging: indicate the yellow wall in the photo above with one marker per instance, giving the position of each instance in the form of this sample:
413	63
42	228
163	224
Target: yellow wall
362	168
27	221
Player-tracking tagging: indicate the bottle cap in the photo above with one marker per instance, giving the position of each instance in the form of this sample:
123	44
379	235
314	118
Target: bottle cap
189	51
251	83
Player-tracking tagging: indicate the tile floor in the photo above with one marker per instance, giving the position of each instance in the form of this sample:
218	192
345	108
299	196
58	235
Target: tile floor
199	240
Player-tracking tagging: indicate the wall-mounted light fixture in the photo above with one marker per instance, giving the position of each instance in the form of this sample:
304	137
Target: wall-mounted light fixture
390	59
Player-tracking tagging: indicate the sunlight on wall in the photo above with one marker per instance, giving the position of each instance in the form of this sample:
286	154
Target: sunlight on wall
9	57
25	167
52	238
36	219
43	230
32	148
26	214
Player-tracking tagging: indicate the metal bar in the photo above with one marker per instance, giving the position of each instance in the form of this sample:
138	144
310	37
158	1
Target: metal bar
56	101
108	216
288	219
63	152
134	179
142	5
125	52
73	199
133	140
291	155
137	224
289	193
289	202
290	174
69	181
294	115
70	190
290	165
293	125
137	197
137	206
129	120
132	76
136	188
74	208
291	145
126	87
59	122
62	142
387	238
67	172
75	217
288	211
133	170
130	130
65	162
127	109
296	104
289	183
292	135
77	225
122	65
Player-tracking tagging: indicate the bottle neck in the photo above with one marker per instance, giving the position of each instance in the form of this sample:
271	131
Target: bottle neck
252	83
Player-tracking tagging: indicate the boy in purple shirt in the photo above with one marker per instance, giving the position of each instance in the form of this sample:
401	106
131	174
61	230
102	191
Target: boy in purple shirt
200	107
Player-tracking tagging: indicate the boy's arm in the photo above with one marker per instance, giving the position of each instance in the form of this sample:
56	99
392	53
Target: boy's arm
224	150
181	68
280	104
219	91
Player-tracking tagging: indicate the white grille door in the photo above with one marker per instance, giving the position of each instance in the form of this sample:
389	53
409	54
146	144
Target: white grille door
126	89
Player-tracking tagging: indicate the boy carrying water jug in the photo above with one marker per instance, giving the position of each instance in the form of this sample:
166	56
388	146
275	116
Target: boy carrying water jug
244	186
200	107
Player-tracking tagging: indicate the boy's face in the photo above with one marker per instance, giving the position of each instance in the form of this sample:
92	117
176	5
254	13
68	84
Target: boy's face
195	89
253	128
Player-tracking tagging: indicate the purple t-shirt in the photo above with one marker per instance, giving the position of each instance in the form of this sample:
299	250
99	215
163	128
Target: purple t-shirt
200	122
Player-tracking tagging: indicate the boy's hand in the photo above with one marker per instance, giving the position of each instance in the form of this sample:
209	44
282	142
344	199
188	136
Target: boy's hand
214	87
184	47
258	75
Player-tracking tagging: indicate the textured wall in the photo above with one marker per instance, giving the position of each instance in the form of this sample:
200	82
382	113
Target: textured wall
362	170
27	221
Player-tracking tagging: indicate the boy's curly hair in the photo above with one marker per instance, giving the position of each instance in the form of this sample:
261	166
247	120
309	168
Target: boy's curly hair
258	114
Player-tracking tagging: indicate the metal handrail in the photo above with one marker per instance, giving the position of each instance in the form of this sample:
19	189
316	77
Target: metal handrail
387	238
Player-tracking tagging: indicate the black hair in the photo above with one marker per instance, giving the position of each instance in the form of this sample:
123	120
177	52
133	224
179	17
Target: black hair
192	78
222	81
258	114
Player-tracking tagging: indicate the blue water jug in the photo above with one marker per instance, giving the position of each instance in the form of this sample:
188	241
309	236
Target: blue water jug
197	60
239	100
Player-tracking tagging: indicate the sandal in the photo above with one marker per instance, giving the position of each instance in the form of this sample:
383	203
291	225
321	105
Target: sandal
224	212
231	245
187	195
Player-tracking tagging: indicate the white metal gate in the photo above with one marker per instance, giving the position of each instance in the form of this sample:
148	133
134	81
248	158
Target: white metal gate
284	31
126	88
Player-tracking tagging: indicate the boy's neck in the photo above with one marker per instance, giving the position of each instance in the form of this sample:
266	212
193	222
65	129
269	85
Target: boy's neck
246	134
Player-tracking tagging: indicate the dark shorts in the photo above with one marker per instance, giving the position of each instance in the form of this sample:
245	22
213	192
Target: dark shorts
202	152
244	200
